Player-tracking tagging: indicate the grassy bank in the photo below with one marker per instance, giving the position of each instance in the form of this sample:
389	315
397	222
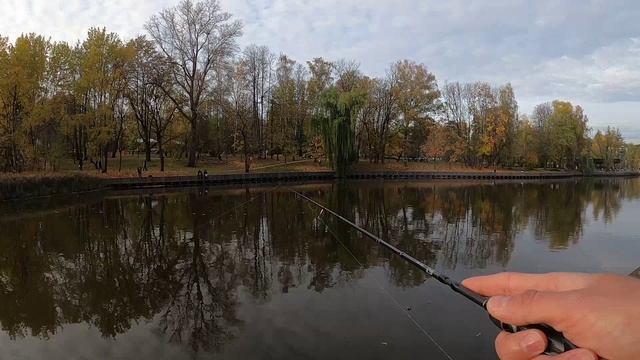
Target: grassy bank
68	180
178	167
235	165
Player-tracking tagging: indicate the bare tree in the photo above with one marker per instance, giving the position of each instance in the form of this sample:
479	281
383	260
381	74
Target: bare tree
259	61
239	109
457	115
140	87
199	39
378	116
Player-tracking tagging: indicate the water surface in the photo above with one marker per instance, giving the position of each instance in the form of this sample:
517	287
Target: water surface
255	273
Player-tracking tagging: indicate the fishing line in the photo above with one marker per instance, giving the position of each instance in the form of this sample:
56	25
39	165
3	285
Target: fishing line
557	343
385	290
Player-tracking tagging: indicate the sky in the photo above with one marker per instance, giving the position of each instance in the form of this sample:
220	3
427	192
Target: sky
583	51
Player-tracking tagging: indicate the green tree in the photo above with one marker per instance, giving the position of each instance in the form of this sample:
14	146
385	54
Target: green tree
568	128
607	147
525	143
21	89
101	85
336	123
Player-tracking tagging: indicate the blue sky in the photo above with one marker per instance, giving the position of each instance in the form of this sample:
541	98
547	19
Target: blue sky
587	52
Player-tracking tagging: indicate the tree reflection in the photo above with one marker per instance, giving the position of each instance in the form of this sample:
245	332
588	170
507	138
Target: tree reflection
184	261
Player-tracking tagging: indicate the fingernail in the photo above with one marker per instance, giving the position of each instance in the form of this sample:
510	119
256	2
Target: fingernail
532	344
581	355
498	302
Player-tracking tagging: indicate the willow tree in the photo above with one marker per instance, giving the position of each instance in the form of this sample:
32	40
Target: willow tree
336	124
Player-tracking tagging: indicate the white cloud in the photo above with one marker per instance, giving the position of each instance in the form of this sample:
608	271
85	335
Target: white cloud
586	51
608	74
69	20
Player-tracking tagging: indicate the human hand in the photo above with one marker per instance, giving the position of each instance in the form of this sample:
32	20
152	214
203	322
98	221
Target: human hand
599	313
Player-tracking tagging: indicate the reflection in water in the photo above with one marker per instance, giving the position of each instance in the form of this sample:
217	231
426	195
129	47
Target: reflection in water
181	260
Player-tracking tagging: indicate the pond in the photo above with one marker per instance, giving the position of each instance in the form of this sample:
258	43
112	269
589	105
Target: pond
256	273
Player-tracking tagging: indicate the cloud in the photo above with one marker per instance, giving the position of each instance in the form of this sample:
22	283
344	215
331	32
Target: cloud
69	20
586	51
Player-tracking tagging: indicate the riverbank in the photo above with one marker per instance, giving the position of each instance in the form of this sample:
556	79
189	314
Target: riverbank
23	186
257	178
29	187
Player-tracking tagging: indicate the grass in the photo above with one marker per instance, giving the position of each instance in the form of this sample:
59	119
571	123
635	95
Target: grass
178	167
393	165
230	165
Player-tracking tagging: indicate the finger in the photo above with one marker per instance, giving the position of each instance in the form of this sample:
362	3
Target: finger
507	283
533	307
524	345
577	354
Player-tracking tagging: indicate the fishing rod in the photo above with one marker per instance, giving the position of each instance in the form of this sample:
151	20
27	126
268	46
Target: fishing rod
557	343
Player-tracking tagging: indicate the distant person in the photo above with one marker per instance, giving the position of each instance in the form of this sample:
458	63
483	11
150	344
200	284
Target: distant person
199	174
139	172
599	313
205	174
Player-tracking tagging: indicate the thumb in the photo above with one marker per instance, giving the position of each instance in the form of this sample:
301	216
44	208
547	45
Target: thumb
533	307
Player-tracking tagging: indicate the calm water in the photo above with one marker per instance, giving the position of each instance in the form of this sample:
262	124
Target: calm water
253	273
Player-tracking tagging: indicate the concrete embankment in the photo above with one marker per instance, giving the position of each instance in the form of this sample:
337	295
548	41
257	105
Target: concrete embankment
17	187
179	181
30	187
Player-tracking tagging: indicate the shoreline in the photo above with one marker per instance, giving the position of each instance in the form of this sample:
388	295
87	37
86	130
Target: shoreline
33	188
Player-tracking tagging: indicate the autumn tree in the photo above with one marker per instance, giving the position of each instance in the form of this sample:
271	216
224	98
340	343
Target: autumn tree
457	116
498	127
379	116
199	39
59	135
525	143
283	109
418	97
632	157
608	147
101	85
568	126
540	121
23	70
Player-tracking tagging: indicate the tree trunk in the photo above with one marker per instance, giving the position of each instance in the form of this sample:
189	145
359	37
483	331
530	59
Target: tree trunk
193	146
159	139
106	158
147	150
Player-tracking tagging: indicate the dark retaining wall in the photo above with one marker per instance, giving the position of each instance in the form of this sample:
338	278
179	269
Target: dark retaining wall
177	181
29	187
15	188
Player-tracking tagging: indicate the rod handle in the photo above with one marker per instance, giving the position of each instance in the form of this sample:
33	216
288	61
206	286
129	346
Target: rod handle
557	343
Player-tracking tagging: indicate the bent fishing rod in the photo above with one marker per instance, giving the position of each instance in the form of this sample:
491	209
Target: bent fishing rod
557	343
